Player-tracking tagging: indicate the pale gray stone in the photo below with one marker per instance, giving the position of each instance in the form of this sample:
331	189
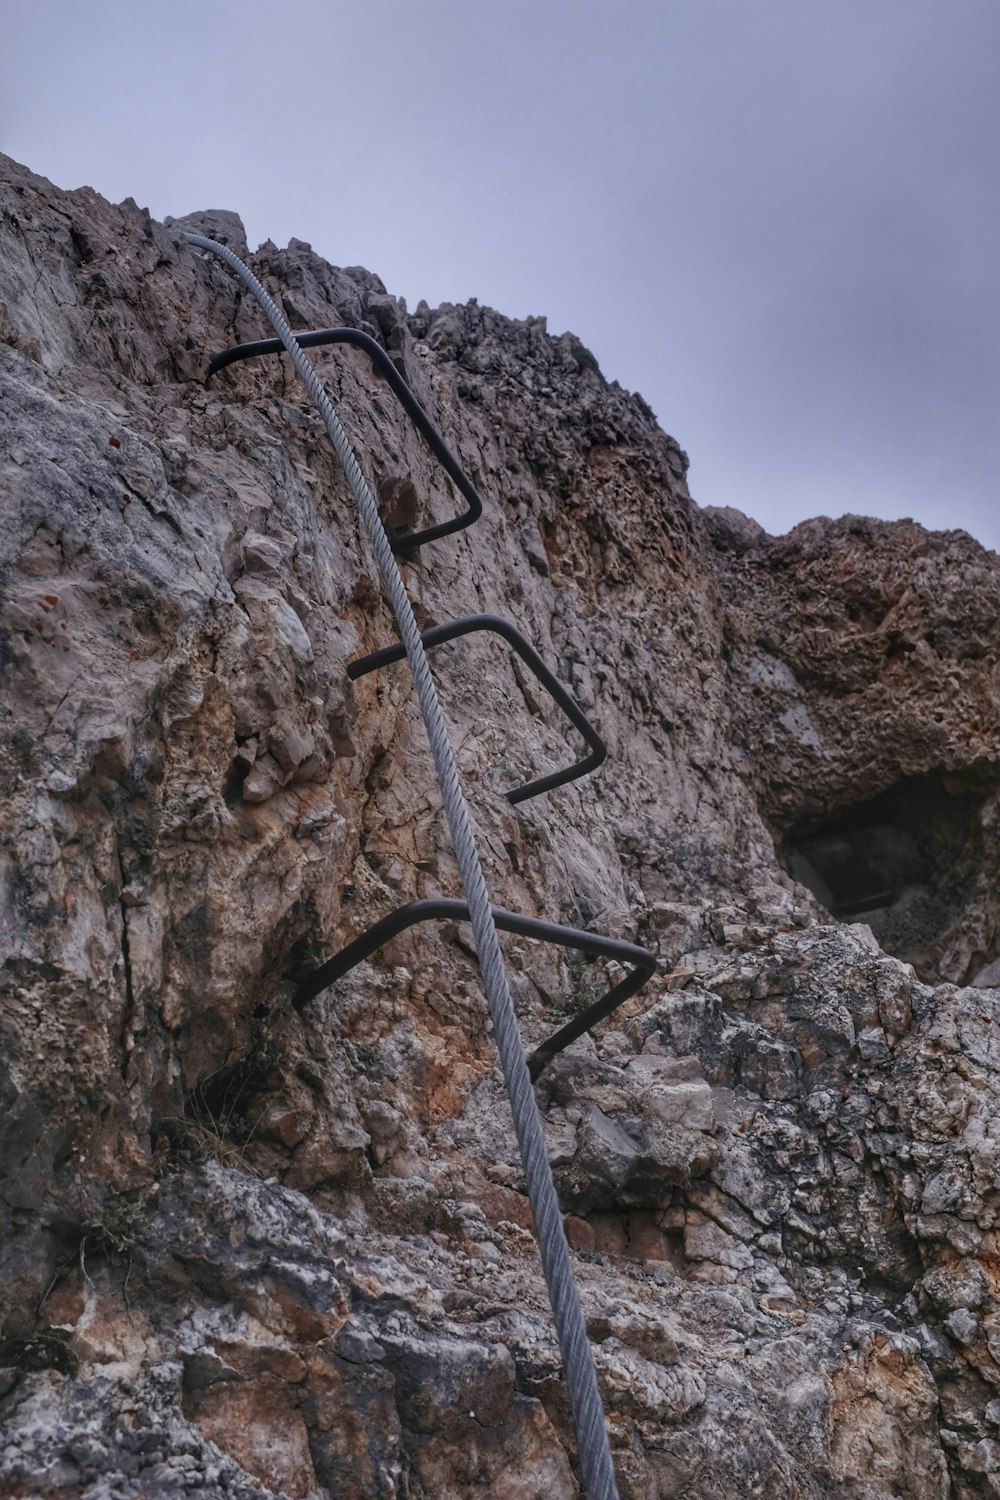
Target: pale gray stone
248	1251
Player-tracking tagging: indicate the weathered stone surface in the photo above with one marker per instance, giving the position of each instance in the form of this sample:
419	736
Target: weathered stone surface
249	1252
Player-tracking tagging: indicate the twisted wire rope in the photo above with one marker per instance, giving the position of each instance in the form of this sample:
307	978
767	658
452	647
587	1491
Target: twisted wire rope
581	1380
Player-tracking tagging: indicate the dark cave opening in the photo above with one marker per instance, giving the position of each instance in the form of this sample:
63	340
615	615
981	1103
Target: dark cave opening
907	863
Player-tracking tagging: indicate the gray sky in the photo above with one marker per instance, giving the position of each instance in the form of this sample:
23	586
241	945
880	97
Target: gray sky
777	219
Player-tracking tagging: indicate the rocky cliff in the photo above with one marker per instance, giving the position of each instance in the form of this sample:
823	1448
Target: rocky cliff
252	1252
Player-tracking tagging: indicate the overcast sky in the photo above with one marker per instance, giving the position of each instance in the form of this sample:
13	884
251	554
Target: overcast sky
777	219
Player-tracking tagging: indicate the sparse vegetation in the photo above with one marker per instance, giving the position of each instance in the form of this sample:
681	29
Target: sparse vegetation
120	1227
366	1057
45	1349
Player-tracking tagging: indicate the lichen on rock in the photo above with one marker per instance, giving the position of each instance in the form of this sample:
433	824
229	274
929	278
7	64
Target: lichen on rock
250	1251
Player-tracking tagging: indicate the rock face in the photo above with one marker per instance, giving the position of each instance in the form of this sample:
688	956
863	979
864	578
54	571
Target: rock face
251	1252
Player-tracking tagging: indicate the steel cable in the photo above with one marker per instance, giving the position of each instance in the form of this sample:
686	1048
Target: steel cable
585	1401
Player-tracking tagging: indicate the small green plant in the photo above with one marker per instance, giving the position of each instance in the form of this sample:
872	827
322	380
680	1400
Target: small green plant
367	1057
575	1004
120	1226
577	965
582	989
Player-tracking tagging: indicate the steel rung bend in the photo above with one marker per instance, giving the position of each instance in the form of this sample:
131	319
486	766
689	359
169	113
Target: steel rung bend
594	944
526	651
421	421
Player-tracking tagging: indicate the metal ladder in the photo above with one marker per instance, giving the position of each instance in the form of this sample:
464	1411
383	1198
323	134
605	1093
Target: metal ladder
593	945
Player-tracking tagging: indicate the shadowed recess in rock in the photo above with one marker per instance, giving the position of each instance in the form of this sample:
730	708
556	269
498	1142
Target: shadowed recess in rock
908	863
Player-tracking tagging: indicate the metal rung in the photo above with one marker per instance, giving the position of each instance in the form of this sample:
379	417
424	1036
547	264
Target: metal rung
465	626
421	421
591	943
584	1397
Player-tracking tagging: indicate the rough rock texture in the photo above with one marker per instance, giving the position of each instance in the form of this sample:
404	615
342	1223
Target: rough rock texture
247	1252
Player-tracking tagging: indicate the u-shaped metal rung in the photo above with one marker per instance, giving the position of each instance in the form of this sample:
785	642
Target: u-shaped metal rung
590	943
465	626
409	403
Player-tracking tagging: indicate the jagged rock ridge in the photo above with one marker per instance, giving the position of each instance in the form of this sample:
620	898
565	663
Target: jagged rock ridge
247	1252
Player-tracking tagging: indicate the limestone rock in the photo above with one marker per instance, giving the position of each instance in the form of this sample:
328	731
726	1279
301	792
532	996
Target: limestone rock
251	1251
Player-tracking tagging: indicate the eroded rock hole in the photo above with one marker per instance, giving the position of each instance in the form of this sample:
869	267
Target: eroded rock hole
909	863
